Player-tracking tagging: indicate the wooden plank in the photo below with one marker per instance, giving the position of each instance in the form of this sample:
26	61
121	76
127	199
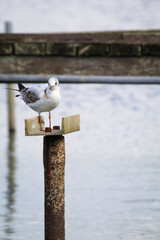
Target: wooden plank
122	66
32	126
87	37
69	124
123	53
77	50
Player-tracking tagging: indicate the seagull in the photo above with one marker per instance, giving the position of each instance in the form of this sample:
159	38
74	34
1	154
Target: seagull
41	98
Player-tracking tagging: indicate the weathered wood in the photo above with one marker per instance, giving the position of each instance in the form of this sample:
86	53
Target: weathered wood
125	50
11	109
32	125
29	49
151	50
96	49
61	49
132	66
85	37
7	49
69	124
129	53
119	49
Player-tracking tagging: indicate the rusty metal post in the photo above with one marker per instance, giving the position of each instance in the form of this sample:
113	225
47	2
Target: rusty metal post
54	169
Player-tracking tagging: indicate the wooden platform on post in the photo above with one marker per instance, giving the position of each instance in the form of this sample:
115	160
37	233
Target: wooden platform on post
54	171
69	124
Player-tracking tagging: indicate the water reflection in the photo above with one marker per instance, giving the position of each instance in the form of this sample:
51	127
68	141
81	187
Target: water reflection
11	186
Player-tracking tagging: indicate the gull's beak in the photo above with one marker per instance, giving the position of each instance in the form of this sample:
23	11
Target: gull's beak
51	87
52	84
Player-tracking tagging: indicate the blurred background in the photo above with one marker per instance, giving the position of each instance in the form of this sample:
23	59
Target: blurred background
75	15
113	163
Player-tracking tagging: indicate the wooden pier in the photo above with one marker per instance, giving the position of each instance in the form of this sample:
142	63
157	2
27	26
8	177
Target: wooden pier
127	53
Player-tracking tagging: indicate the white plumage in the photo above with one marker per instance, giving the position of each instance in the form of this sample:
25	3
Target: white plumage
41	98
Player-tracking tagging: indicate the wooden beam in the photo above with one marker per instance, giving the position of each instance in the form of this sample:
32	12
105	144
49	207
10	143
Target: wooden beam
128	53
87	37
122	66
69	124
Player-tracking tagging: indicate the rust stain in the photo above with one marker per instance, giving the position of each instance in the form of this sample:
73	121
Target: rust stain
54	187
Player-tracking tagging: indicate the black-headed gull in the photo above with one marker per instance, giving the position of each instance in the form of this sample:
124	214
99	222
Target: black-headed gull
41	98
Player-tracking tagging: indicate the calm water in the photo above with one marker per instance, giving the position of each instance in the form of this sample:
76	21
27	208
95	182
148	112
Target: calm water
77	15
112	179
113	163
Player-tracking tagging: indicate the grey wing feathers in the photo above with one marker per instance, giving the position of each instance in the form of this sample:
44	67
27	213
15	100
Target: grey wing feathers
29	96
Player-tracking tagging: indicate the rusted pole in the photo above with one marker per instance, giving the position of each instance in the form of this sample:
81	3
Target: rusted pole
54	169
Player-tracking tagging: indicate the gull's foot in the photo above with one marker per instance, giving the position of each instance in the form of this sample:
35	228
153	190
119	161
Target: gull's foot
48	129
42	130
56	127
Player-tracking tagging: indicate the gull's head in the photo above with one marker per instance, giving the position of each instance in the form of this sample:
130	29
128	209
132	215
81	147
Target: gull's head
53	83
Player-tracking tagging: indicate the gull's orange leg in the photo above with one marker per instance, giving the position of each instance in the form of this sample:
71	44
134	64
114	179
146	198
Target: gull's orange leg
49	119
40	122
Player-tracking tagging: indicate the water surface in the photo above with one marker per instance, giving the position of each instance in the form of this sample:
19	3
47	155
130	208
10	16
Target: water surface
113	163
112	166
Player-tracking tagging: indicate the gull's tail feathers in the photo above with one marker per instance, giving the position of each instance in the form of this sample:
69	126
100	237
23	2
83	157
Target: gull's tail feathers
12	89
20	86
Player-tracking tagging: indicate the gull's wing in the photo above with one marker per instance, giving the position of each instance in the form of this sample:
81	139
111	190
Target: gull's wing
33	94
